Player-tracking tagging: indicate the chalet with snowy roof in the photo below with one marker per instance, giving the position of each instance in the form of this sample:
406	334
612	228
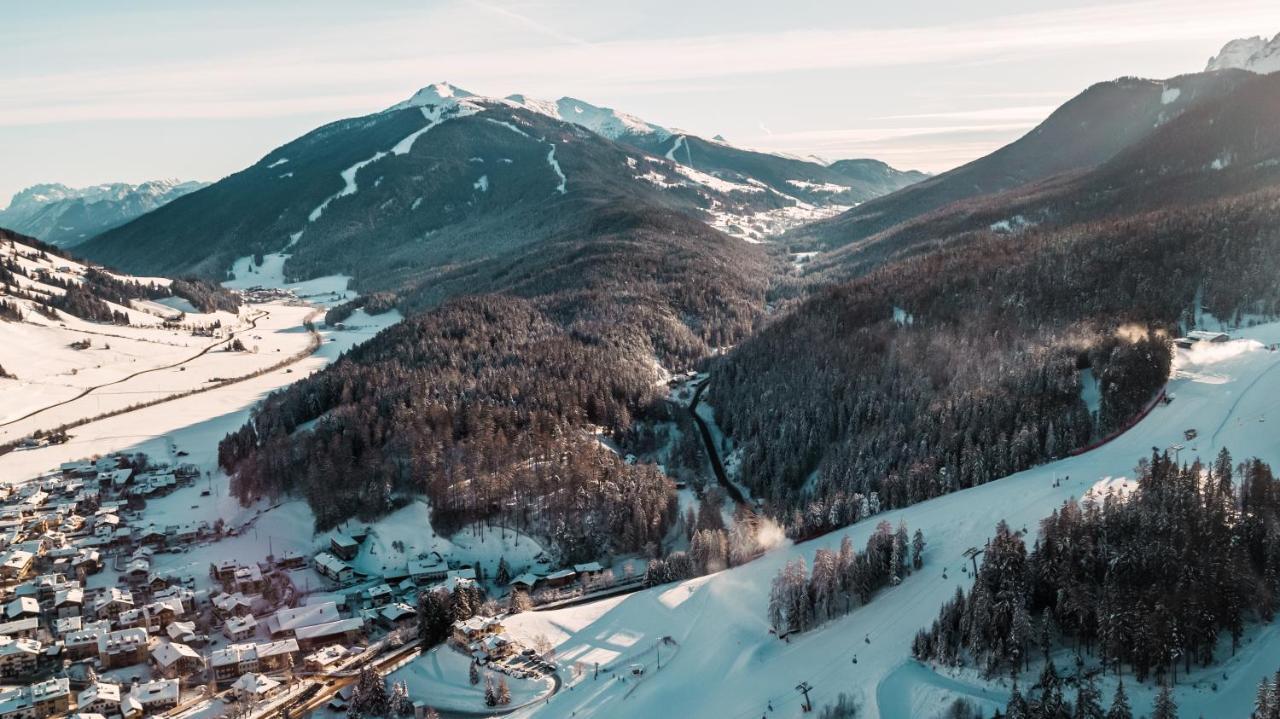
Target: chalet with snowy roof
174	659
184	632
45	586
83	643
156	696
398	616
561	578
152	536
16	564
286	622
289	559
526	581
342	631
80	467
18	657
432	568
330	566
229	605
224	570
475	628
324	659
66	625
338	599
237	659
343	546
109	604
122	648
249	580
240	628
68	602
380	595
494	646
27	627
100	698
256	687
21	608
36	701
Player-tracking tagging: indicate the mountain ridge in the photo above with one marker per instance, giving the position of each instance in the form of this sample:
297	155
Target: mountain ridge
66	216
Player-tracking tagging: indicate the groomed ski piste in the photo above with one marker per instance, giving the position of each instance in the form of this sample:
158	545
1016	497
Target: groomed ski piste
726	664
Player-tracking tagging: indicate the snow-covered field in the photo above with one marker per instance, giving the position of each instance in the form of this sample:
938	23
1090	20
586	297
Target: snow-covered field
729	666
407	533
441	678
192	424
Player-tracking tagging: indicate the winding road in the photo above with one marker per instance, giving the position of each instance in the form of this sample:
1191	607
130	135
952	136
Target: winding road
713	454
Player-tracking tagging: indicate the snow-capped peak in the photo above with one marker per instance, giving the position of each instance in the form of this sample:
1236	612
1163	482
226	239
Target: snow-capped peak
437	93
1251	53
603	121
606	121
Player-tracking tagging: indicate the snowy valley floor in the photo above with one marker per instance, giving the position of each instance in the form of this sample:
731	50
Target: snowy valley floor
727	665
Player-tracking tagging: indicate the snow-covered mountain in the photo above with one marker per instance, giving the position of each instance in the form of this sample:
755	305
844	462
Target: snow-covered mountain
445	176
67	216
1255	54
1084	132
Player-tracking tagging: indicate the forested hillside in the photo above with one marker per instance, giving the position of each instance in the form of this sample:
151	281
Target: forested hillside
961	358
50	280
486	404
1215	149
1148	581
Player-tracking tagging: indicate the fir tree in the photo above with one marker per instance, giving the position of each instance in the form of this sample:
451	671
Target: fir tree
1017	707
1120	704
1164	708
490	691
1088	700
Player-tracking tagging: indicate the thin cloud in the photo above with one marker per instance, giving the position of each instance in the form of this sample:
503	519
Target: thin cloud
291	79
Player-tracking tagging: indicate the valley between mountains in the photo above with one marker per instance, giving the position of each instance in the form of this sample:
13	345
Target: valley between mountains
500	405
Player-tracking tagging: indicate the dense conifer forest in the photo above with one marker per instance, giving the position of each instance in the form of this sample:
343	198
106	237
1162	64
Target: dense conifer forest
1151	581
955	367
488	404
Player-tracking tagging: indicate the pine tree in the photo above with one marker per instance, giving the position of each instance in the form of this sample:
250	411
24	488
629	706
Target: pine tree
1120	704
503	576
1017	707
917	549
1088	700
504	692
1164	708
490	691
1262	704
474	673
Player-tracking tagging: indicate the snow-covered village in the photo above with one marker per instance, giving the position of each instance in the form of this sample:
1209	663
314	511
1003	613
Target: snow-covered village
557	360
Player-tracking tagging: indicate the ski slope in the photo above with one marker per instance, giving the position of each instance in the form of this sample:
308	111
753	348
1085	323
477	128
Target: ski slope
728	665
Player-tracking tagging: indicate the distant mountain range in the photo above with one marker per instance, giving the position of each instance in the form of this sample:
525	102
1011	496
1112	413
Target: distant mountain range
448	179
1255	54
68	216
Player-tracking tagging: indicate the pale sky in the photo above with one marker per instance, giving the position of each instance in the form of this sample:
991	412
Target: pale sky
132	90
